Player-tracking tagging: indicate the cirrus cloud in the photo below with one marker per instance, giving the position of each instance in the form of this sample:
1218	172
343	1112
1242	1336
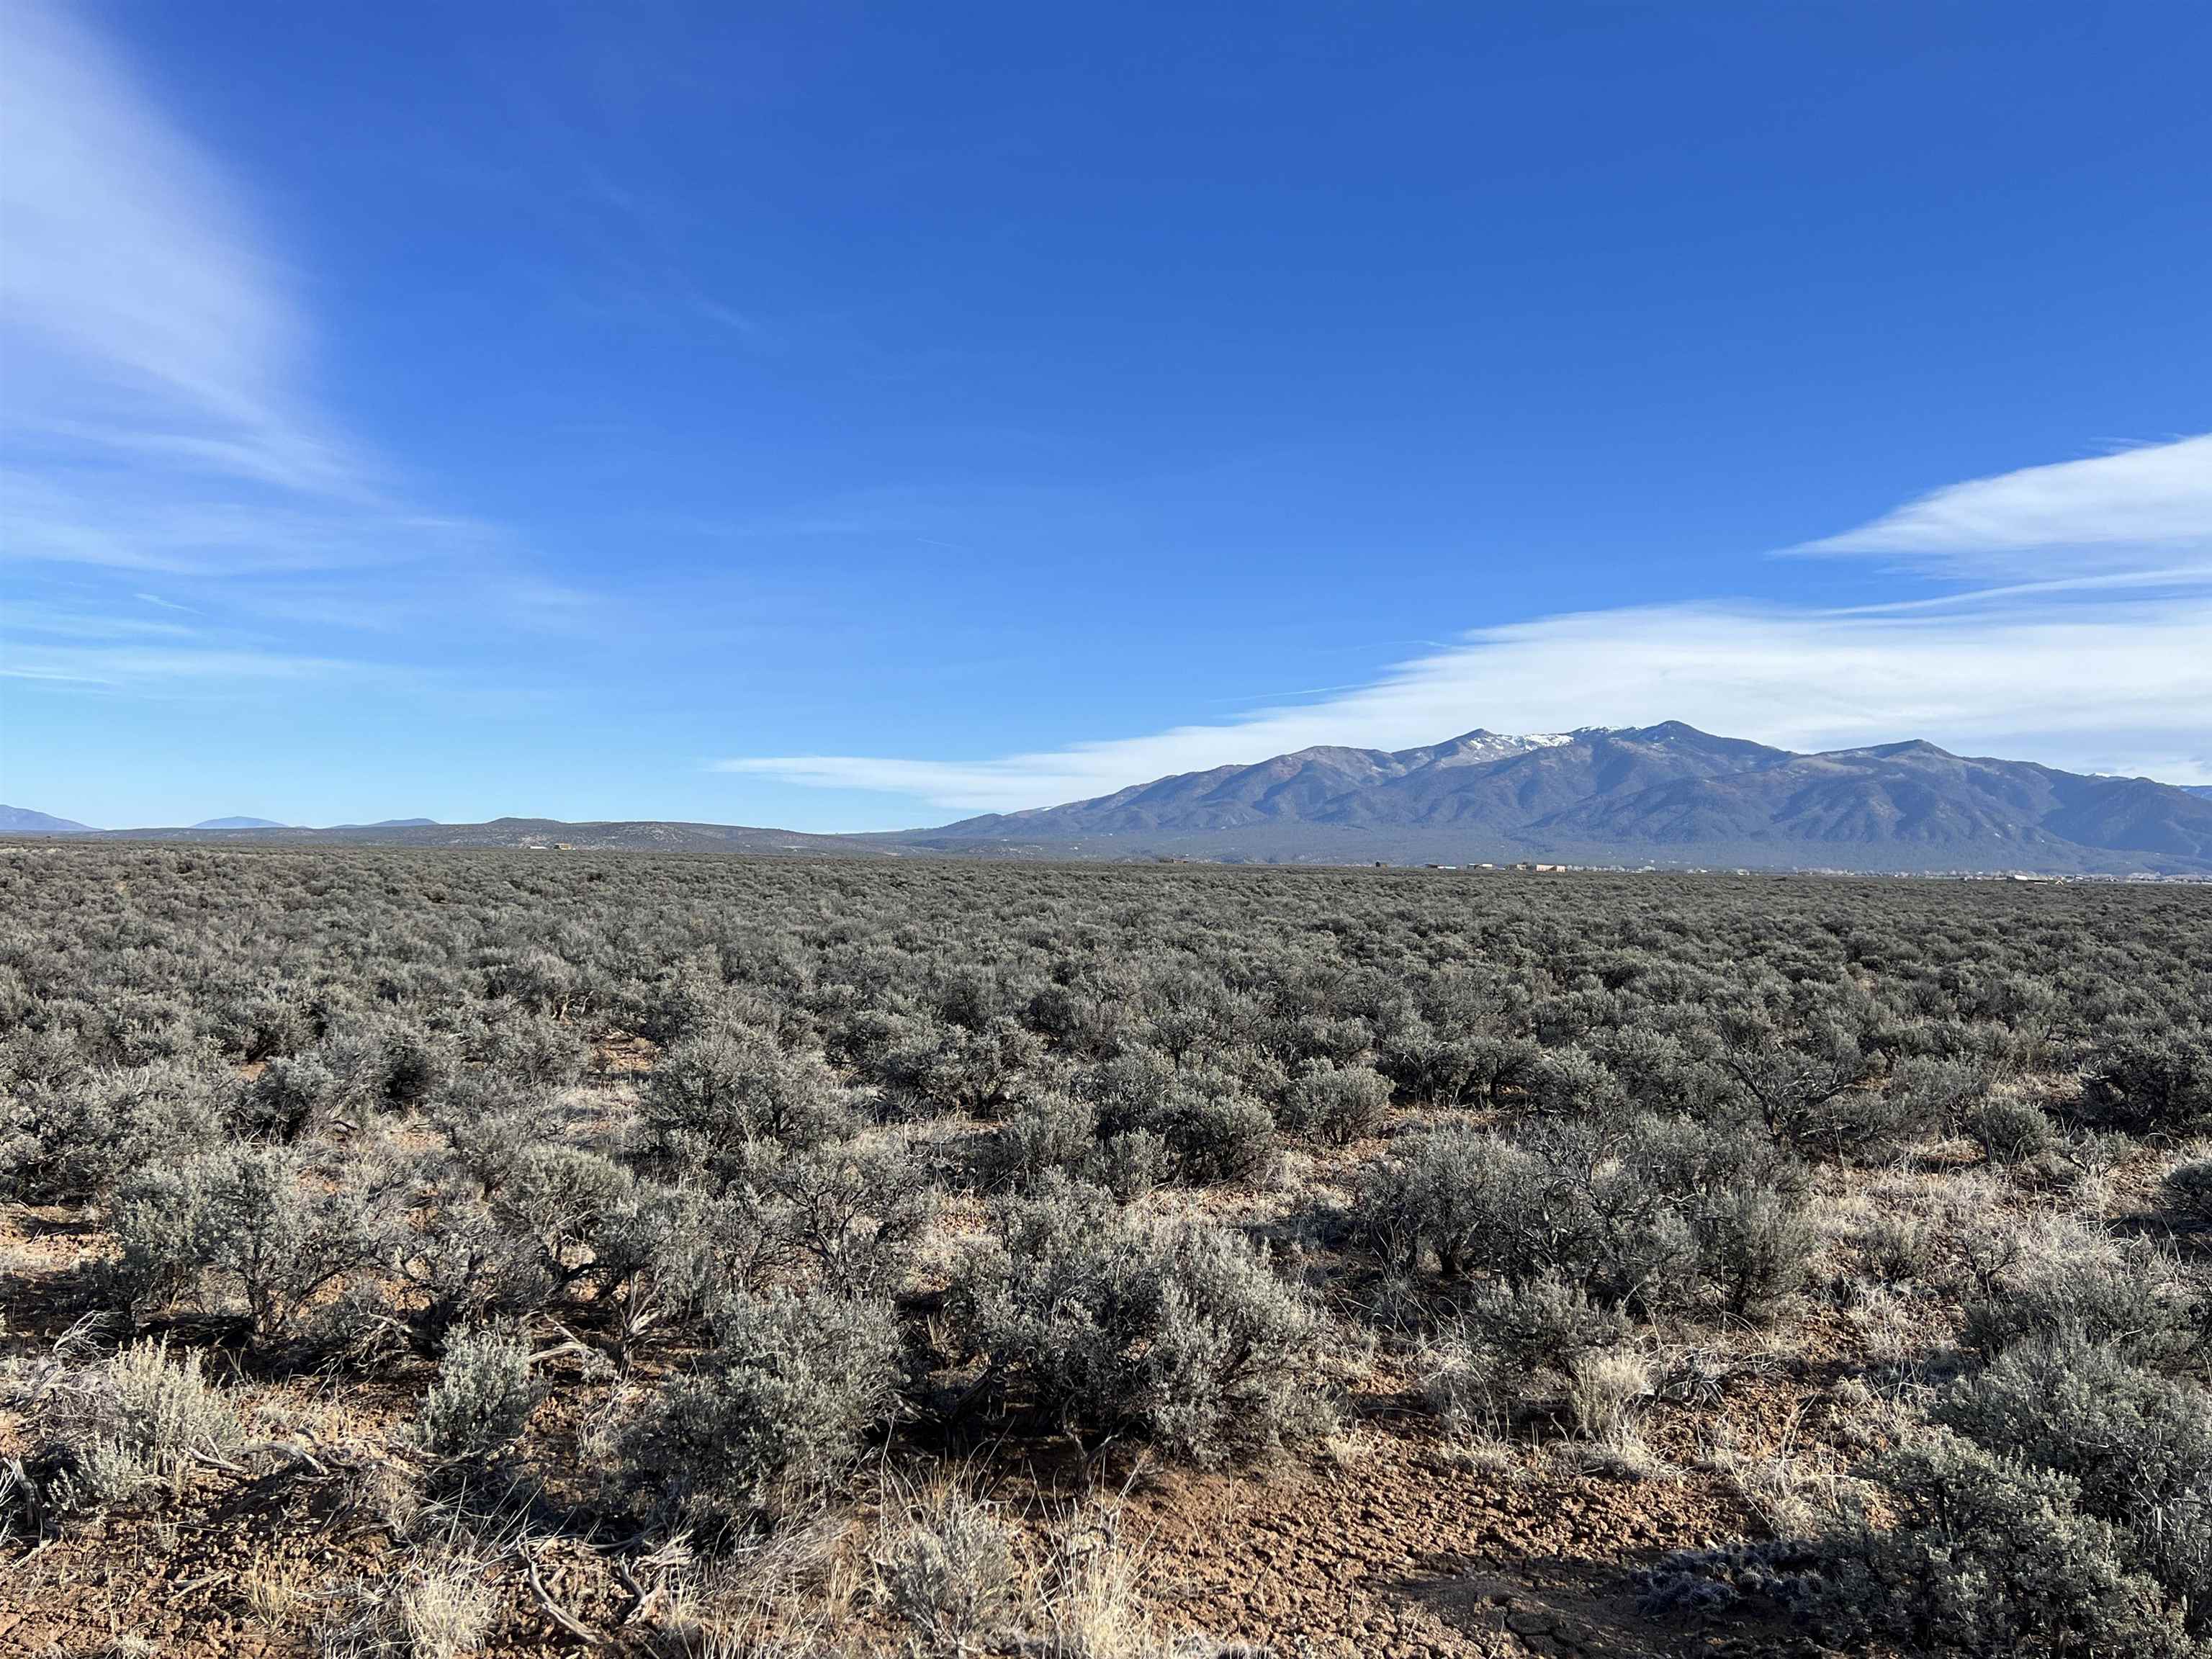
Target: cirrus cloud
2094	653
2143	508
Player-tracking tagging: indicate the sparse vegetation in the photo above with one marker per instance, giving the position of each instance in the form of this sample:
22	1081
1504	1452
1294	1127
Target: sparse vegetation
703	1255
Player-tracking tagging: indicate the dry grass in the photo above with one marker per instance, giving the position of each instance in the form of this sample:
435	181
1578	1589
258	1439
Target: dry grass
439	1605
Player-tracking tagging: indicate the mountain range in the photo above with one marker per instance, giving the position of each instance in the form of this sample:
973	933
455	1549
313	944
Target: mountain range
1664	794
22	821
1667	795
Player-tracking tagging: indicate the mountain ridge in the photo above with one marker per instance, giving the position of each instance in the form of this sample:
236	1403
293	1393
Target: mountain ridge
22	821
1666	795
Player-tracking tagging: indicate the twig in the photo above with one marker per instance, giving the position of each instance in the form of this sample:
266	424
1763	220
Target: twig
646	1598
559	1614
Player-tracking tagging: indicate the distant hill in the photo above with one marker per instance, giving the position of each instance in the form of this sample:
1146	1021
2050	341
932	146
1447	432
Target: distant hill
548	834
2203	789
389	823
239	823
22	821
1662	794
1669	796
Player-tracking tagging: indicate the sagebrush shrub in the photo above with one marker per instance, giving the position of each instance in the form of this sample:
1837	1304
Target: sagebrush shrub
1178	1331
1644	1220
1334	1104
237	1226
1052	1131
2188	1191
719	1092
2124	1294
67	1135
1939	1090
1515	1340
482	1398
776	1412
132	1423
2137	1445
2152	1083
1987	1556
2009	1131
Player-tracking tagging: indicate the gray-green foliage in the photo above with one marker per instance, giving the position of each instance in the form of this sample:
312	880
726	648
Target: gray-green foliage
1987	1555
2127	1296
721	1091
238	1227
67	1135
1657	1217
2009	1131
1177	1331
1514	1341
483	1395
776	1411
129	1425
1334	1104
2137	1445
2188	1191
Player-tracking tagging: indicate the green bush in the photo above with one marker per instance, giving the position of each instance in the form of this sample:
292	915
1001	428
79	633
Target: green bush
719	1093
776	1413
1334	1104
2188	1191
2126	1297
136	1422
71	1137
482	1398
1987	1556
1178	1332
2152	1083
2137	1445
235	1227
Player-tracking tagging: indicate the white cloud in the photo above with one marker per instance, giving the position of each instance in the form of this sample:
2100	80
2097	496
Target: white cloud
139	314
137	667
2079	688
2095	653
2132	511
161	419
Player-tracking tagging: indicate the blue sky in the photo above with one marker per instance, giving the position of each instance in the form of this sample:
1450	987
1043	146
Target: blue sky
844	418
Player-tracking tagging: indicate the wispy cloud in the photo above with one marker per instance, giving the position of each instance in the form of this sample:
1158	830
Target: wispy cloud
2079	689
2145	508
128	667
161	419
2094	651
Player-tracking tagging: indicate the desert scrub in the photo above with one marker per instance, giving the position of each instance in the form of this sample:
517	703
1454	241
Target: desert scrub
2138	1446
1654	1217
1178	1331
482	1398
1334	1104
2188	1191
2152	1083
1990	1556
237	1227
133	1423
722	1090
946	1564
68	1134
1515	1345
777	1412
2124	1292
